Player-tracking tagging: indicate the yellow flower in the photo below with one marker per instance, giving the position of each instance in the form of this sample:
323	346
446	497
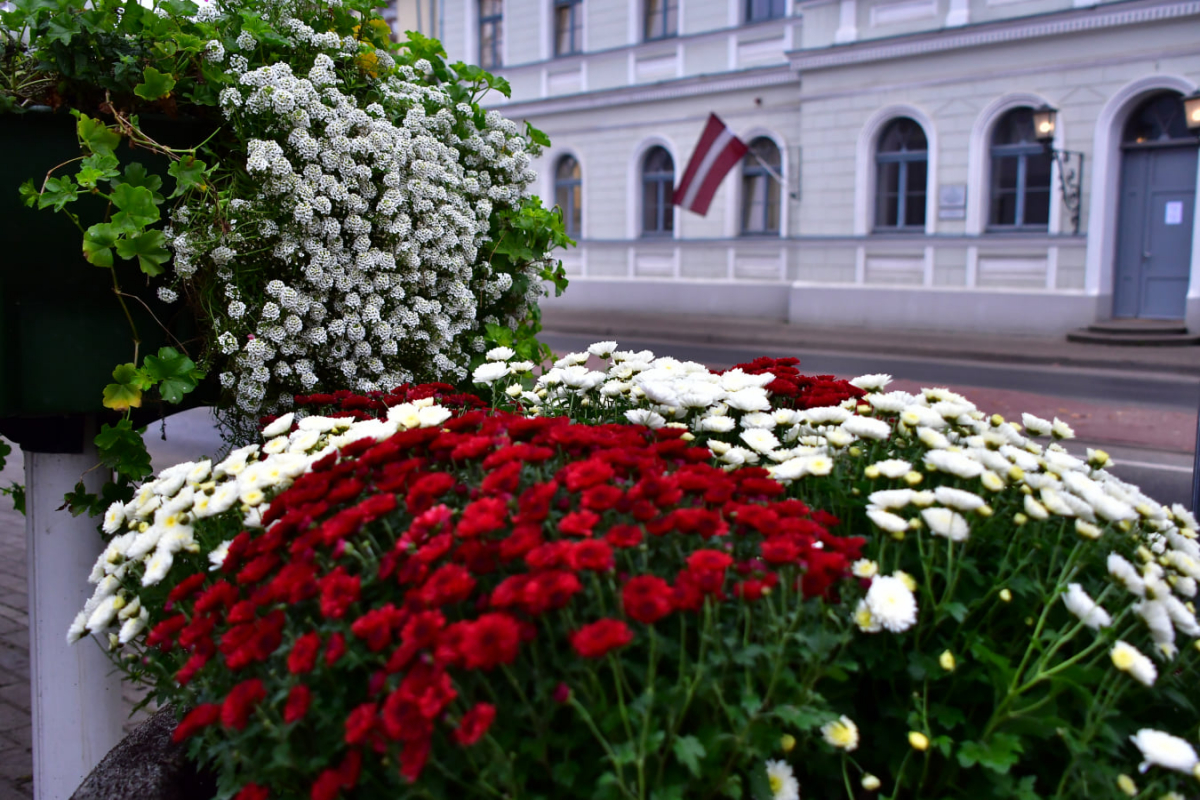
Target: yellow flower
787	742
909	582
870	782
918	740
946	659
1006	595
1126	785
368	63
913	478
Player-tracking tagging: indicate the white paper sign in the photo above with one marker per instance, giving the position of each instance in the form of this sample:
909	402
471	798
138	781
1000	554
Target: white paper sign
1175	212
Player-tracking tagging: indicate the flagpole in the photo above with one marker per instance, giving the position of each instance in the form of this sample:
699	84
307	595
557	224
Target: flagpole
770	171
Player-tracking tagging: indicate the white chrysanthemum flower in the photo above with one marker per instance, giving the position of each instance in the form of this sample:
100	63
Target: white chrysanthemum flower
1164	750
891	498
78	628
1127	574
841	733
644	416
715	424
958	498
114	518
1061	430
955	464
892	523
500	354
782	781
432	416
916	416
217	556
893	468
872	383
758	419
759	439
946	523
489	372
103	614
867	428
751	399
864	568
863	618
1036	426
892	603
157	567
1128	658
133	626
602	349
1087	610
932	439
279	427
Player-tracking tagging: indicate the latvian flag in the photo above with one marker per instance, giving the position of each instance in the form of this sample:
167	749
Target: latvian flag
716	153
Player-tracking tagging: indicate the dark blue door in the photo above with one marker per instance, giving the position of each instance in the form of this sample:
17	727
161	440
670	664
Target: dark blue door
1154	236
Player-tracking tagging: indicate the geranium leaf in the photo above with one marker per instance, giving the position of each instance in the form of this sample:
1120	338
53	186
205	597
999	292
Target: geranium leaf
58	192
96	136
98	242
189	172
122	448
137	202
149	250
121	397
137	175
175	373
154	84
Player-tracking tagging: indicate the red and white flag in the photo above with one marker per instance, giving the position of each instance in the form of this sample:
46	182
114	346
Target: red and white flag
717	152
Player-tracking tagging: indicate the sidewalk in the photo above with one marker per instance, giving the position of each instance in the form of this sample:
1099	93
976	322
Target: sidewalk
704	329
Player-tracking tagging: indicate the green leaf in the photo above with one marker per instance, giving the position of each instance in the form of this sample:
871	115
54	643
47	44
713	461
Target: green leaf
175	373
96	136
122	449
58	192
149	249
29	193
137	175
998	754
154	84
96	168
126	392
689	752
956	610
136	202
189	172
260	29
98	242
17	492
536	136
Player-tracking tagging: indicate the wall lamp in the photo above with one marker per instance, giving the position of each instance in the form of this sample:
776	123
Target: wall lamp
1070	162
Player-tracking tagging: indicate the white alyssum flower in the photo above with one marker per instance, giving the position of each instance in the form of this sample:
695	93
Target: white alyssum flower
892	604
1164	750
1079	603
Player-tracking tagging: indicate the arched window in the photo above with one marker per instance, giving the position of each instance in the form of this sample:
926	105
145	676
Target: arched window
568	27
568	193
760	187
1020	184
1158	120
902	176
658	181
491	33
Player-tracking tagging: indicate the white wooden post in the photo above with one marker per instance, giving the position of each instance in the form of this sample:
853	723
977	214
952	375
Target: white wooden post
76	695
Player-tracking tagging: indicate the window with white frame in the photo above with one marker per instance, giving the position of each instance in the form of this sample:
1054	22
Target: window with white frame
491	33
761	171
662	19
568	27
760	10
658	182
1020	175
901	176
568	194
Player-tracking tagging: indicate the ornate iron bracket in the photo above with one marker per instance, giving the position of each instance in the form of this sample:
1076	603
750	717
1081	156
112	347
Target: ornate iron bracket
1070	181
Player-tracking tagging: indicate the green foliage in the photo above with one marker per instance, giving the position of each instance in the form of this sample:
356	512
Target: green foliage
15	491
155	85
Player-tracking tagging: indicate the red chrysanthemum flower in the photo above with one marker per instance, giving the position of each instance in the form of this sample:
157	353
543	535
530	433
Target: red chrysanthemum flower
599	638
240	703
490	641
297	703
198	718
475	724
646	599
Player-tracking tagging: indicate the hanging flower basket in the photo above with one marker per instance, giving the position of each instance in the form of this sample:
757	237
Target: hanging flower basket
62	327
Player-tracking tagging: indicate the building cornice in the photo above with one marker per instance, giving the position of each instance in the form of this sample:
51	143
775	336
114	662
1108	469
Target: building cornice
693	86
993	33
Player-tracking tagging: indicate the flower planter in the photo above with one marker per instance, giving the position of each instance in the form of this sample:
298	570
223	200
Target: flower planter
62	330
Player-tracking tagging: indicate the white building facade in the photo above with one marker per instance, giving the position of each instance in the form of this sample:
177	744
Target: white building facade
914	192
